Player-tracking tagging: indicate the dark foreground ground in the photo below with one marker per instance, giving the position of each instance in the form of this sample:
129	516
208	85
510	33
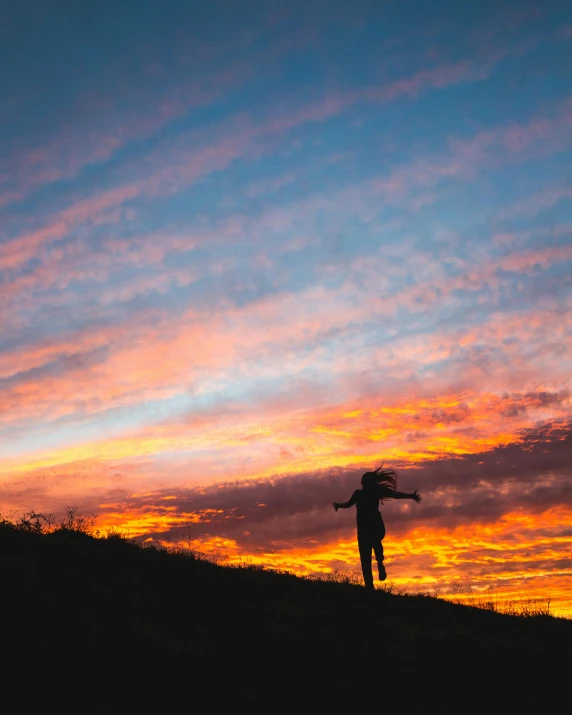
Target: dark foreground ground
105	626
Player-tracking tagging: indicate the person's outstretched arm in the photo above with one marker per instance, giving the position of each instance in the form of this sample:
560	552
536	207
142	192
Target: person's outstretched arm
402	495
345	504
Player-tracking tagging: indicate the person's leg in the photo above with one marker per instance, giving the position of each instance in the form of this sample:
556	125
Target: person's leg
364	546
378	551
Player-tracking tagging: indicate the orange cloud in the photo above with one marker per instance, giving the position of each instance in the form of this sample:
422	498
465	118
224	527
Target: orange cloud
493	515
518	558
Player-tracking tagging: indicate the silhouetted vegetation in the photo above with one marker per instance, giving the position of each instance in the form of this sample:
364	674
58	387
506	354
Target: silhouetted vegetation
101	624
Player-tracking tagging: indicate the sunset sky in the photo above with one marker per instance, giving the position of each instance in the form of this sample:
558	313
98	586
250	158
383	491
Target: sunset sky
250	250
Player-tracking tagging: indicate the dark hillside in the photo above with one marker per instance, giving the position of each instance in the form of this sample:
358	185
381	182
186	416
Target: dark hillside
102	625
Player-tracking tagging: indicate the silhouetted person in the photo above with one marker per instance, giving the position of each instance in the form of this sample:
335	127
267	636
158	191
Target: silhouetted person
377	486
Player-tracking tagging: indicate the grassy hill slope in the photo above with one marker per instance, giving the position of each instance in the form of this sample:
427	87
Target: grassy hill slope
103	625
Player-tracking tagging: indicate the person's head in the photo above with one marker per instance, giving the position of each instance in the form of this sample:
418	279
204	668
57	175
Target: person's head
367	479
388	477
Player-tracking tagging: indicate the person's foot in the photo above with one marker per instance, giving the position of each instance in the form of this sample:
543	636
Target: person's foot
382	572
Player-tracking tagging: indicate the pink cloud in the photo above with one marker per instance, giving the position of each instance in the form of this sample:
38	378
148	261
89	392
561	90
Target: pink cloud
543	134
440	77
193	350
185	167
111	128
271	185
66	155
535	204
98	209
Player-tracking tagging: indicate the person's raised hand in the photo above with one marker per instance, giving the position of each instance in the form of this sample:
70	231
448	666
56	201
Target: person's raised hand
335	505
416	497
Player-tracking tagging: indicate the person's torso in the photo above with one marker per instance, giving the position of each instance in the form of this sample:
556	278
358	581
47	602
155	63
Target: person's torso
367	505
